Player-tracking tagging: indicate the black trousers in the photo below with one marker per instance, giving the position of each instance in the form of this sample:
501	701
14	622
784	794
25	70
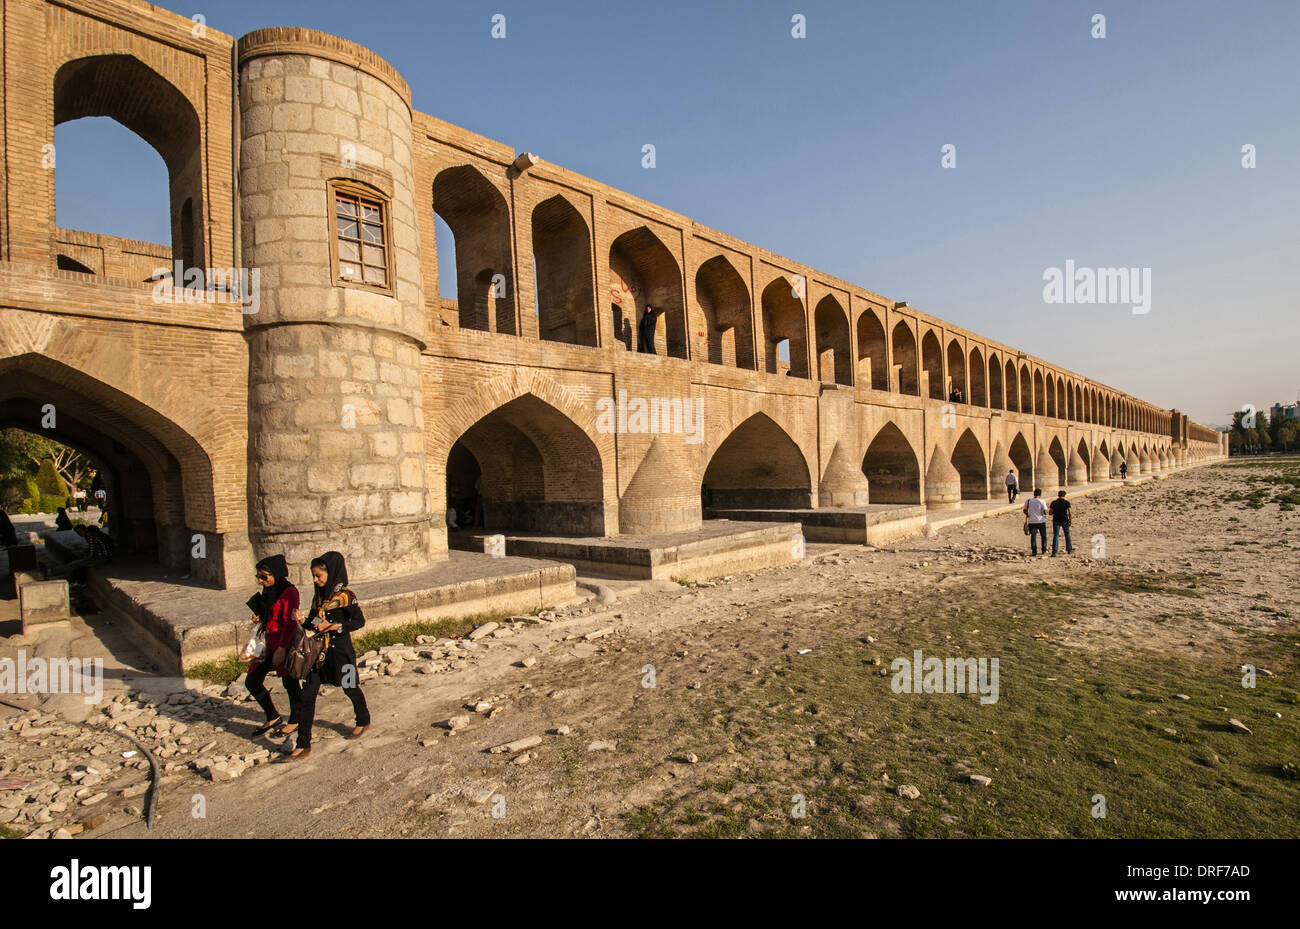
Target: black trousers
303	705
256	686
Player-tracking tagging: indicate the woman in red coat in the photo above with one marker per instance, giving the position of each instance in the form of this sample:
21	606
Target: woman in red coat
273	608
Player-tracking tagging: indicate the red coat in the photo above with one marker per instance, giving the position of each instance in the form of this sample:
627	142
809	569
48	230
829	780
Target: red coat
279	627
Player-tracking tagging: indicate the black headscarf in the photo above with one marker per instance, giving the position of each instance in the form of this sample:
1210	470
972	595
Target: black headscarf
262	601
336	577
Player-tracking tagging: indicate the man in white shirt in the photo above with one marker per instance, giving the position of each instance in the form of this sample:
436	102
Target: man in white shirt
1035	511
1013	486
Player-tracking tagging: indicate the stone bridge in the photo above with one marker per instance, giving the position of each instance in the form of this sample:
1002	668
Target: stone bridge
336	401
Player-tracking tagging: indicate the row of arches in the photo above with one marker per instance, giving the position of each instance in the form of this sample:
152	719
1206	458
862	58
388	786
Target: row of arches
643	271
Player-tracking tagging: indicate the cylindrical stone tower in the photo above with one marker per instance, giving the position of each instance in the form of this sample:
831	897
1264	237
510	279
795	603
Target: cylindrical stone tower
336	419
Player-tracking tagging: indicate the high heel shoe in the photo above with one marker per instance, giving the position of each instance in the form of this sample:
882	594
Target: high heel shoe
268	726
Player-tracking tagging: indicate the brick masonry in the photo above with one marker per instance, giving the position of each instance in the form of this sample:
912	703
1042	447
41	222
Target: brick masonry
338	416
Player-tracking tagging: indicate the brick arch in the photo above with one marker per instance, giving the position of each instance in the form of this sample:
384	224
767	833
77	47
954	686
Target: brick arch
833	353
641	259
125	89
784	318
757	464
478	215
479	399
726	313
563	283
970	459
891	467
96	411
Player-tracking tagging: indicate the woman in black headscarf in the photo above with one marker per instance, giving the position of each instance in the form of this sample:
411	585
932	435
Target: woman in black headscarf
61	520
274	609
336	613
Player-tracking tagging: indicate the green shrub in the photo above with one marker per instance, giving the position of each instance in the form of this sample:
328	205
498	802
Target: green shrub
50	482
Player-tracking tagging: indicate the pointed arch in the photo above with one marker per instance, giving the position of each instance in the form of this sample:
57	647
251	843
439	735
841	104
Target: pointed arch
1023	459
563	280
723	298
904	345
643	264
932	365
873	371
957	371
1026	390
479	220
971	463
997	399
834	354
126	90
890	464
536	470
1050	384
784	321
757	466
978	389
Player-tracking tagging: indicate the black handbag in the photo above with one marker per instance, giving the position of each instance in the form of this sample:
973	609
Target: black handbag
304	652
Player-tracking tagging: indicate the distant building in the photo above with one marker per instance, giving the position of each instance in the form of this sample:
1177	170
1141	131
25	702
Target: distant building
1289	411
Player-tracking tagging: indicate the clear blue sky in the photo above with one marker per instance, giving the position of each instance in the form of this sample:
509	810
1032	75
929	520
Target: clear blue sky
1122	151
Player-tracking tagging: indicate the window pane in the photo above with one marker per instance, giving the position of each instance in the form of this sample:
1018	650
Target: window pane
348	228
376	276
349	270
349	251
370	232
370	213
346	207
373	255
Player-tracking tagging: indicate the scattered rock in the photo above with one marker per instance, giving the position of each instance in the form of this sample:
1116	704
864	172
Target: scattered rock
94	798
692	758
599	746
908	792
980	780
482	630
1181	697
526	662
518	745
561	730
1238	726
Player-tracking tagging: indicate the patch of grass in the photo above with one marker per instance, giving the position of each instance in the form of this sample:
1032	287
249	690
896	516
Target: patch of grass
225	670
8	833
1068	725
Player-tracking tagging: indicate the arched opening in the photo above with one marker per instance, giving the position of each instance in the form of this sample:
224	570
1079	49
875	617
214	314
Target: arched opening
1026	390
1059	459
893	474
476	214
905	360
834	354
932	365
1012	388
758	466
957	387
643	266
562	258
968	458
872	370
149	465
784	322
1060	398
1072	406
1051	394
527	467
1024	462
125	90
978	390
997	399
1040	394
723	298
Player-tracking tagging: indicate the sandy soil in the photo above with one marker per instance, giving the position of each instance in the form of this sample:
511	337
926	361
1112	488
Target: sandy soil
409	777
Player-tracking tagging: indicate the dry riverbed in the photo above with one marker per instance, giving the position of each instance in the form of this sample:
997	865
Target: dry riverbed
763	704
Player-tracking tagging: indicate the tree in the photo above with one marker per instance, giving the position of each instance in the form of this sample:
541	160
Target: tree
21	452
50	481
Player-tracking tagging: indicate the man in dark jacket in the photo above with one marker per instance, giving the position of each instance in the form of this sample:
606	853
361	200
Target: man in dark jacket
1060	509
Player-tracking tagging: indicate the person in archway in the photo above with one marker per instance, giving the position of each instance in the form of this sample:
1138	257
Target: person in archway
334	610
1123	470
1036	520
61	520
1060	521
273	608
645	331
8	534
1013	486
